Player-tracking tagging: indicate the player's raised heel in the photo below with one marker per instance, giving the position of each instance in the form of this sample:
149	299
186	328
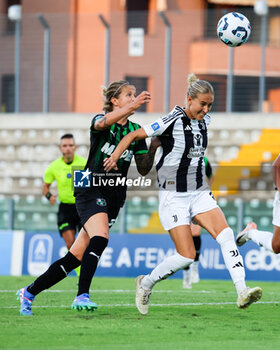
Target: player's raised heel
83	302
26	300
249	296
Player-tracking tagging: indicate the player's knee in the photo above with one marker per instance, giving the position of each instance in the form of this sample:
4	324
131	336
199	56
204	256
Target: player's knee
69	237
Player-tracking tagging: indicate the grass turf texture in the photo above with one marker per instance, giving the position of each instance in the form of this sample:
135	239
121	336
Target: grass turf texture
212	321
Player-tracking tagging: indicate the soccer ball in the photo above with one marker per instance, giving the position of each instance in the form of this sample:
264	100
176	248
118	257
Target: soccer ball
233	29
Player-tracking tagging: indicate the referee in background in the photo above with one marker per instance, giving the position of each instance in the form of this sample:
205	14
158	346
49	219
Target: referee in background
61	170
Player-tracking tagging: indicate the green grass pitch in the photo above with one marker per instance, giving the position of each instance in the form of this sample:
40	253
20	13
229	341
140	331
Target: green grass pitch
205	317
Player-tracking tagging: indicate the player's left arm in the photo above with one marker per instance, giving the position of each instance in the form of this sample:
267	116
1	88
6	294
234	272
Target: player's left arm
276	172
144	162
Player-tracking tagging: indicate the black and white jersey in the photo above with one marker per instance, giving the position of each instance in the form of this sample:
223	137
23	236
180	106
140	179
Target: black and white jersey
180	166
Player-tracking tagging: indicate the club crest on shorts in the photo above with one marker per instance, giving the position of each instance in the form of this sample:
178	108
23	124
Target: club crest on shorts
101	202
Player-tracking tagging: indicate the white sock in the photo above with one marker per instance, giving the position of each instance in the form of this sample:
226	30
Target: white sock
165	269
232	258
194	265
186	274
262	238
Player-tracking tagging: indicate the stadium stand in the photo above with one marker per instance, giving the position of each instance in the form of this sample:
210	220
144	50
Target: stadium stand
245	172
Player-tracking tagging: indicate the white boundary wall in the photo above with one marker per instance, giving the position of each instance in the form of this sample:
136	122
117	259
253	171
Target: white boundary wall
234	121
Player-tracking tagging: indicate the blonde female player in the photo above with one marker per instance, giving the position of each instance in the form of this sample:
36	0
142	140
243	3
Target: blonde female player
98	207
184	193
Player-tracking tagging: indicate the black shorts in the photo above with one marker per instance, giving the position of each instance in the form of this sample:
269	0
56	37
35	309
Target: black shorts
94	202
68	218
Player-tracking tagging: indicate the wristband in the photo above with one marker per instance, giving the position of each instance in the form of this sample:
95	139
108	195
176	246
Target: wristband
48	195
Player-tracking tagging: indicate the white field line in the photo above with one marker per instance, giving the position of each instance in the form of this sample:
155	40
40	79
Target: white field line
122	291
133	305
94	291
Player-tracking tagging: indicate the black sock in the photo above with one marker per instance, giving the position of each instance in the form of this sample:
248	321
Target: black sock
90	260
197	245
55	273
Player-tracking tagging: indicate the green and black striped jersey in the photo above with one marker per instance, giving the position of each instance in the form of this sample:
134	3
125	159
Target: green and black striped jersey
103	144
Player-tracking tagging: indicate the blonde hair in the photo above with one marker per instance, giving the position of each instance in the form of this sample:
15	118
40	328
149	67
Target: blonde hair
113	90
196	86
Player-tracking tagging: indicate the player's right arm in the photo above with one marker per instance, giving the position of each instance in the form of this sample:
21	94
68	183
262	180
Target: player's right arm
153	129
113	117
276	172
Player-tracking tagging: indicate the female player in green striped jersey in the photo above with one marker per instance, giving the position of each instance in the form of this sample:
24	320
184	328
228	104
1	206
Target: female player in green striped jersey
98	207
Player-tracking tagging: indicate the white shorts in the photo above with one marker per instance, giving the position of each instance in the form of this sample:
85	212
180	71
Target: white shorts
276	210
178	208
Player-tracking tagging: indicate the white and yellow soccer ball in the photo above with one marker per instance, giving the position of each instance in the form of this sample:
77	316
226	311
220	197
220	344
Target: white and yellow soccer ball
234	29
